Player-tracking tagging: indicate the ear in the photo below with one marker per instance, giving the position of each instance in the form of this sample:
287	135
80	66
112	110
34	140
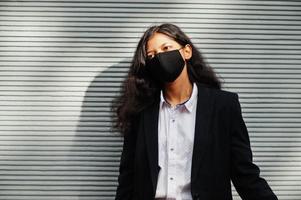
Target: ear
187	50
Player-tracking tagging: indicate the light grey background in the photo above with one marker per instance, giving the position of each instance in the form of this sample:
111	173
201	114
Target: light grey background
62	62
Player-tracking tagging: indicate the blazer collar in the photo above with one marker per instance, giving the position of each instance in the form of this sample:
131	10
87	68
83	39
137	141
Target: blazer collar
203	117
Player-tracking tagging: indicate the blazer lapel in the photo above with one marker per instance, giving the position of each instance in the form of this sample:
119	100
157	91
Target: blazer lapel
202	123
151	117
203	116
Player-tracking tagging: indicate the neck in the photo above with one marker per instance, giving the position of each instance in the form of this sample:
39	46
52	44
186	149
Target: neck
178	91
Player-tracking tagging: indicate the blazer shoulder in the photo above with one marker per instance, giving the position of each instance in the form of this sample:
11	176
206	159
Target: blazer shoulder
220	96
223	95
226	102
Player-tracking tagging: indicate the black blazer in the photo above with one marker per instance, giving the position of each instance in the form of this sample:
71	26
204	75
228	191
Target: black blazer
221	153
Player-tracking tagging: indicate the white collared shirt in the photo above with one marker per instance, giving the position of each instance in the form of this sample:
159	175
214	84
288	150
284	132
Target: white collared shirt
175	146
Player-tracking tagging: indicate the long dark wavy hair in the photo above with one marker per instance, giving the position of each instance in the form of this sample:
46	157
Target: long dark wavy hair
139	89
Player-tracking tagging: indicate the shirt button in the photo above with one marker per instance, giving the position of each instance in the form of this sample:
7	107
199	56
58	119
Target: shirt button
171	178
173	120
171	149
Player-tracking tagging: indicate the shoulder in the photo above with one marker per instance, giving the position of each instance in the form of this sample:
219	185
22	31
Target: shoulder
222	94
222	97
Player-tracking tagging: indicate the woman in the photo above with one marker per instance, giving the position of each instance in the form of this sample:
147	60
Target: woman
184	137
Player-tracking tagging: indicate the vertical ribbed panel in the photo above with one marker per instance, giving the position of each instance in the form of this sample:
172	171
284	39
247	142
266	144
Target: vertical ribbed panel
62	62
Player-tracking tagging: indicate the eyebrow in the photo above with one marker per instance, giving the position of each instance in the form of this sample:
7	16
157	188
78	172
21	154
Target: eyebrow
160	46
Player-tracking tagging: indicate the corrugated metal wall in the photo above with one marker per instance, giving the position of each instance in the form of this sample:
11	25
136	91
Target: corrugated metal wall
61	63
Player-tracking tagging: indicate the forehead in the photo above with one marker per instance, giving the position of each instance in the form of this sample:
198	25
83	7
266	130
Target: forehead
157	40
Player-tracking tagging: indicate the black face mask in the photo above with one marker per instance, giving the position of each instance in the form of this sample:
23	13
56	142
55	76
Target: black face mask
166	66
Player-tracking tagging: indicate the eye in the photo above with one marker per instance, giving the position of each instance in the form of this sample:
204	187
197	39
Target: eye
165	48
150	56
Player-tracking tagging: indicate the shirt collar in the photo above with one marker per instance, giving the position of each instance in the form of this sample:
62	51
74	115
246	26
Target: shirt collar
188	104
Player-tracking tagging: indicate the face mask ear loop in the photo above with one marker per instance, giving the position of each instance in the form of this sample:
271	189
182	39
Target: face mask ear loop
182	48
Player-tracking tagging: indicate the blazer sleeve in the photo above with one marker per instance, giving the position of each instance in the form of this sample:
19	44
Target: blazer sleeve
126	168
245	175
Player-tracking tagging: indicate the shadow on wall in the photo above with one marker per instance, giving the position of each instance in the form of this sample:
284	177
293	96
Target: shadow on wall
96	150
